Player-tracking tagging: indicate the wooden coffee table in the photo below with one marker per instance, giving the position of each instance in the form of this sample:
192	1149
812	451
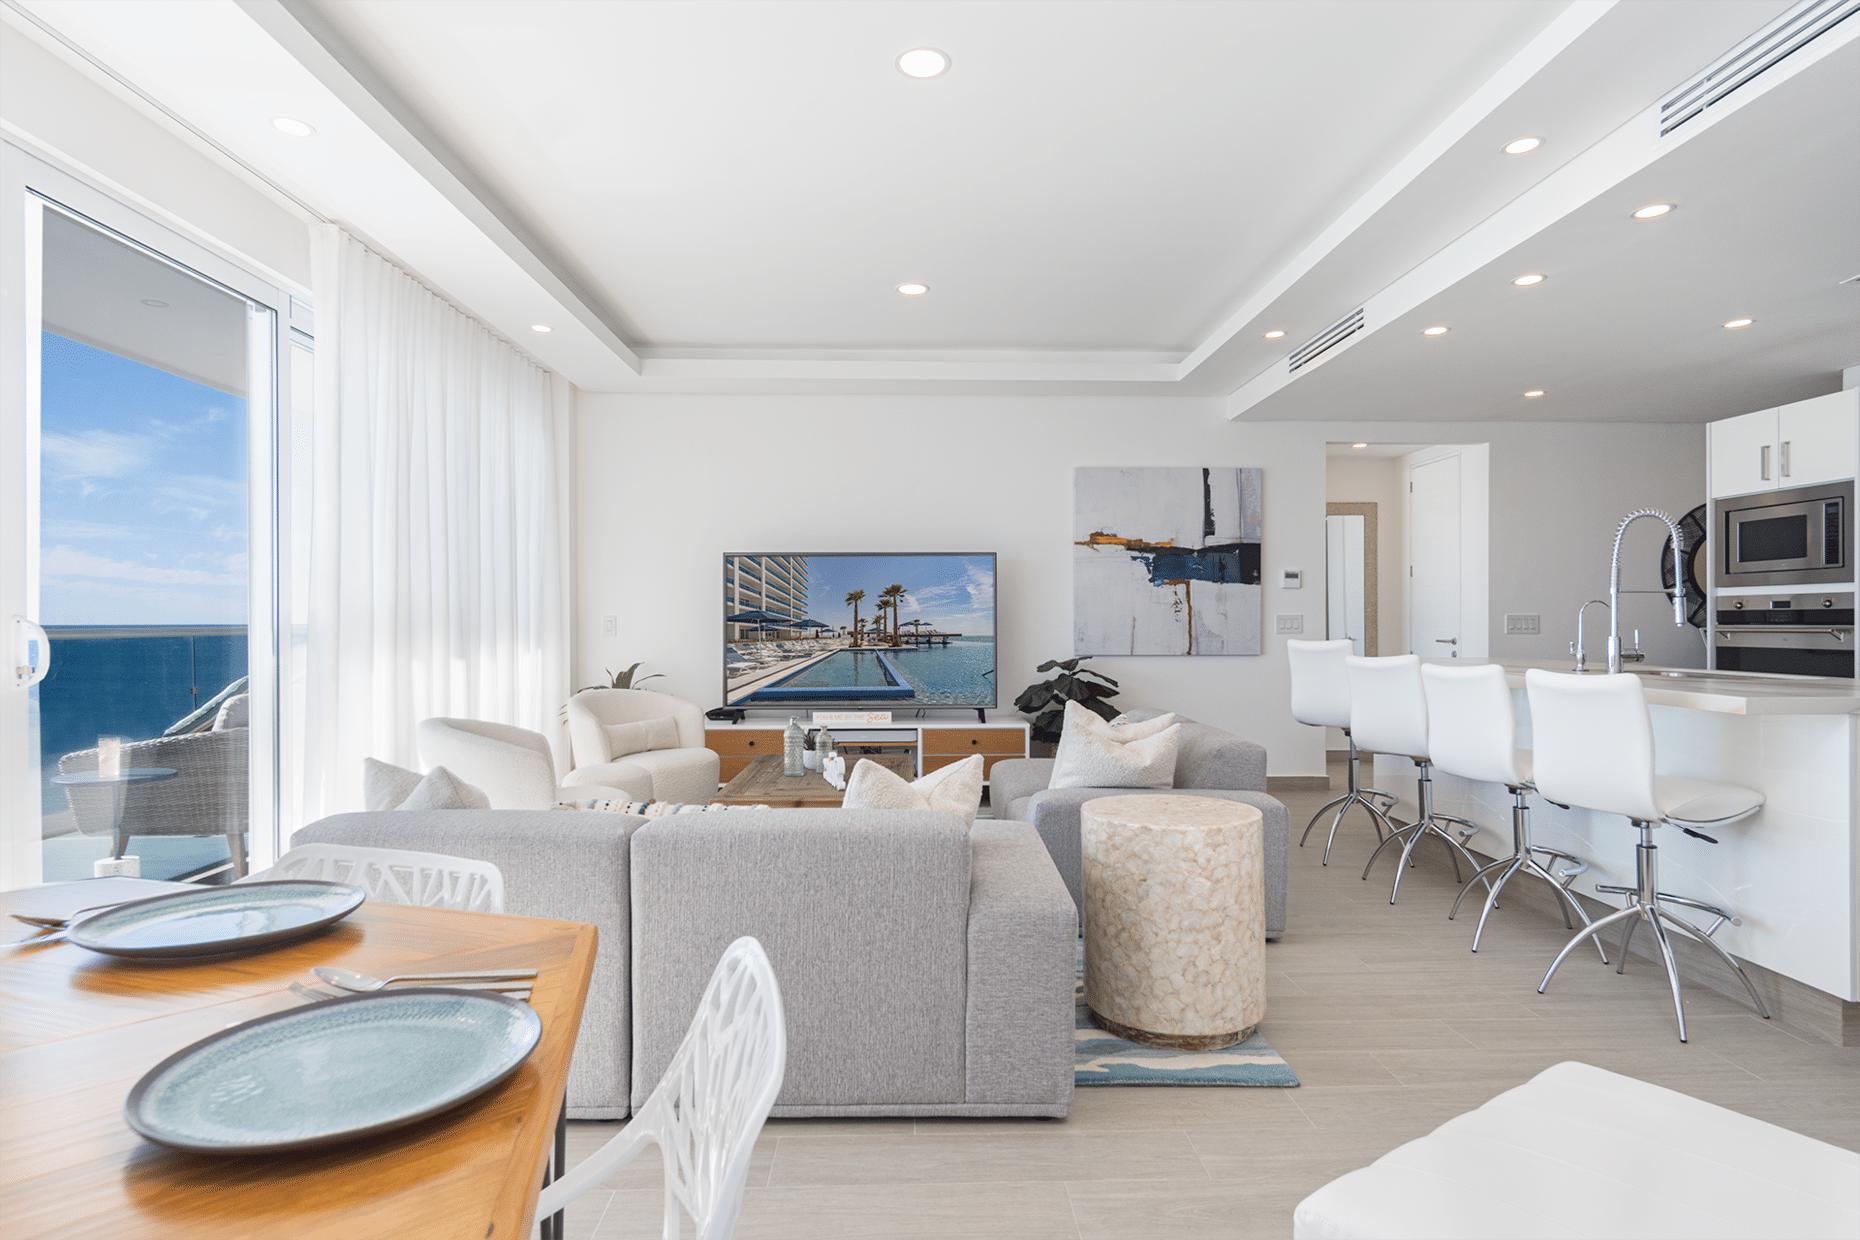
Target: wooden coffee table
762	783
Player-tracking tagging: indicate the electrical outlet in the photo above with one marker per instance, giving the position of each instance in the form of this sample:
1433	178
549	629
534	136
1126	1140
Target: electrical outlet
610	626
1522	624
1294	625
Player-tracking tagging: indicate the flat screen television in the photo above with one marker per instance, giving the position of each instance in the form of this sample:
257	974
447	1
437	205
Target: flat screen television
859	630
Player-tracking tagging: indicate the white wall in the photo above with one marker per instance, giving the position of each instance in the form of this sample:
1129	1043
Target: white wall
667	484
1377	480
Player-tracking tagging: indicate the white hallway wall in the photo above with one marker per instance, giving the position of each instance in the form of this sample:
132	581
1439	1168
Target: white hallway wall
666	484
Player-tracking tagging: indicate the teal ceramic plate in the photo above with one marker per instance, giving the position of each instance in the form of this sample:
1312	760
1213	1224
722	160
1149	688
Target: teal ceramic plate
213	921
332	1071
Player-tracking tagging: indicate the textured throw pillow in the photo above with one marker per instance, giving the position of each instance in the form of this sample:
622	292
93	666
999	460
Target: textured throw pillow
235	712
1093	754
955	789
441	789
384	785
626	738
1122	728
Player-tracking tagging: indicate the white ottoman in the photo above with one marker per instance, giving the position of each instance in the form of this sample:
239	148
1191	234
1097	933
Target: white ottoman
1579	1151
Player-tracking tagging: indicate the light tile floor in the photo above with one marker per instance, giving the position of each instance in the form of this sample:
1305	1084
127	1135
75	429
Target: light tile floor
1392	1025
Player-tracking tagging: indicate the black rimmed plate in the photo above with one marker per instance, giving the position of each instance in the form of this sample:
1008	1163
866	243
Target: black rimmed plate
332	1071
215	921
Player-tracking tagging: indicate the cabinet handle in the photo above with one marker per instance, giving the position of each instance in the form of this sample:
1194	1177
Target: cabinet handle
1784	462
1763	468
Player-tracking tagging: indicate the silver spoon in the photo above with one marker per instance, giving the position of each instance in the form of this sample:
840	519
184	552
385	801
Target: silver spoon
349	979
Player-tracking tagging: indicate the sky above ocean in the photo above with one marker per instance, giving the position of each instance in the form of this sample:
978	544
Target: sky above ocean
952	593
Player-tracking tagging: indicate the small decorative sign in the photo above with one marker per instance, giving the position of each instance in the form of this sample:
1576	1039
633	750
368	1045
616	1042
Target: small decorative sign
852	718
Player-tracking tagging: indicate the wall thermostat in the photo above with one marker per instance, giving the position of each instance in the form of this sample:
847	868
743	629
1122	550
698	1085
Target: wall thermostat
1294	579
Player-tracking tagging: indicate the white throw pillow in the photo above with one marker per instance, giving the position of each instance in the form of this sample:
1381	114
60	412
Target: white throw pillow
626	738
1122	728
441	789
1093	754
384	785
955	789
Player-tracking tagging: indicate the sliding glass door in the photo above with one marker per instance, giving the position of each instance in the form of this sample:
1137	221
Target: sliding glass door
141	715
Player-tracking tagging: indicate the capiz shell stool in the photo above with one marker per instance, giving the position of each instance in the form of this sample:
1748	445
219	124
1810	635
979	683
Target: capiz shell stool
1472	732
1594	750
1388	713
1175	919
1321	699
1580	1151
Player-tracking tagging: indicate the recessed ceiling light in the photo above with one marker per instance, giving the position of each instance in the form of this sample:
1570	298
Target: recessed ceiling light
1527	281
1434	331
159	305
1736	323
1274	335
1523	146
541	328
1653	212
1533	393
292	126
1359	445
913	289
923	62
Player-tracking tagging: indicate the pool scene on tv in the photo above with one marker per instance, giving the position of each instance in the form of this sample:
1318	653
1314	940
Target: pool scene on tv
887	631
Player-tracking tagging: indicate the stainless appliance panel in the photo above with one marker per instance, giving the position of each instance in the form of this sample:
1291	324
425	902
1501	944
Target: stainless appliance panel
1797	537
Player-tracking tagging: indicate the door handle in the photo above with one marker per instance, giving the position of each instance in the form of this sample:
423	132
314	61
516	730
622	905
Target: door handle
29	667
1763	462
1783	459
1451	641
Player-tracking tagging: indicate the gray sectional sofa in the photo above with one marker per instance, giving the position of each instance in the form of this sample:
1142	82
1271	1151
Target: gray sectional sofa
926	968
1209	763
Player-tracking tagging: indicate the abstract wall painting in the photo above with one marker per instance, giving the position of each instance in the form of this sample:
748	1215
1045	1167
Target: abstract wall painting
1166	561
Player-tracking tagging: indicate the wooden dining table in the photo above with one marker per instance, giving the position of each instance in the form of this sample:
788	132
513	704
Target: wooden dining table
78	1029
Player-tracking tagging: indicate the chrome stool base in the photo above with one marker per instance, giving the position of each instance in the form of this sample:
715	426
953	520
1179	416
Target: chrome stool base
1357	795
1522	862
1427	824
1644	903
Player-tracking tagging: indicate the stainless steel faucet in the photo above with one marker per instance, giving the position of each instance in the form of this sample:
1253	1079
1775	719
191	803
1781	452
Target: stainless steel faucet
1576	647
1614	586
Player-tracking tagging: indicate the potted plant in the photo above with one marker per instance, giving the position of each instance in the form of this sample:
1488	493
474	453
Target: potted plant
616	680
1046	701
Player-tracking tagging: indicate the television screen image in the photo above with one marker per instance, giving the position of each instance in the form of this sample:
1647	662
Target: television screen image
856	629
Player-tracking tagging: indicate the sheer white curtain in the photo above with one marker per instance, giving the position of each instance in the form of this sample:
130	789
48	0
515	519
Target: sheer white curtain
438	582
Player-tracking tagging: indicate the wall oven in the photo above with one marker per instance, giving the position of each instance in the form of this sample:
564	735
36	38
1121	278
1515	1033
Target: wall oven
1798	634
1799	537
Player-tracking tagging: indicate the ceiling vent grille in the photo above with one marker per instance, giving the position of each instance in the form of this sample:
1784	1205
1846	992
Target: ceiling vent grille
1332	336
1750	59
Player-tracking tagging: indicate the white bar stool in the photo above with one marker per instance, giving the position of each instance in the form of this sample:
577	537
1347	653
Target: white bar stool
1594	749
1321	698
1472	732
1388	714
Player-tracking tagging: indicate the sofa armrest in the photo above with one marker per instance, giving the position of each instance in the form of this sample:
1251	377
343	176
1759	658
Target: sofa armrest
1211	758
1022	961
1014	778
555	863
607	778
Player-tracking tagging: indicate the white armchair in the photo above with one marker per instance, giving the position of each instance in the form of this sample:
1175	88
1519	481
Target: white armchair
512	766
678	764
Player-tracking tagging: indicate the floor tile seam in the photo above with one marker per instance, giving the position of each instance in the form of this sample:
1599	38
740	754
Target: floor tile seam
1072	1206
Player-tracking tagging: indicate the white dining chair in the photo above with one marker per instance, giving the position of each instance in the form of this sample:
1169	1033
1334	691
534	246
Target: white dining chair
396	876
709	1106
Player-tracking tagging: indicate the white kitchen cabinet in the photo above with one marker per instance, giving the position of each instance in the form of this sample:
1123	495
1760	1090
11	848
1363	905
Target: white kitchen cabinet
1804	444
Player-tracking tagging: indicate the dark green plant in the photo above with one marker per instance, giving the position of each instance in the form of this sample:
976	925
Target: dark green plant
1046	701
624	680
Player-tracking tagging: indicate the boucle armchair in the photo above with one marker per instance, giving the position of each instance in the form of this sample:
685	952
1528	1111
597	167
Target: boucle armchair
677	765
1209	763
512	766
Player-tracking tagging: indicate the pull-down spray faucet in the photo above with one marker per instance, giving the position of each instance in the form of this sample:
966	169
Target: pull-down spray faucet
1614	582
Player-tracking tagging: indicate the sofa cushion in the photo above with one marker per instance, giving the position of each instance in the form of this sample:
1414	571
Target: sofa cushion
627	738
441	789
1093	754
384	785
955	789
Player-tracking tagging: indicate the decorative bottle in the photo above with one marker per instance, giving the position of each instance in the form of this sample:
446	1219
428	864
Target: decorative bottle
828	747
793	743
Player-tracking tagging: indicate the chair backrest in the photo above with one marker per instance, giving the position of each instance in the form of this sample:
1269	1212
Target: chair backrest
396	876
1388	707
1472	731
1320	682
1592	742
709	1106
512	766
590	711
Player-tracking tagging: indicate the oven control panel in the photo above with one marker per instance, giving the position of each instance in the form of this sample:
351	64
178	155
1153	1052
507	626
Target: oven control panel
1815	609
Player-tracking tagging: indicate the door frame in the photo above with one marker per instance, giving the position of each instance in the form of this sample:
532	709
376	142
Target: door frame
1371	618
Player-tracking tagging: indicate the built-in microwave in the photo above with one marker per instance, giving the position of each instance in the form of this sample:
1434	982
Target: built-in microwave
1782	538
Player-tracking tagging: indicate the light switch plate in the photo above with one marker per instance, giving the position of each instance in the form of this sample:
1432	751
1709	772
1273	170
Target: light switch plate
1294	625
1522	624
610	626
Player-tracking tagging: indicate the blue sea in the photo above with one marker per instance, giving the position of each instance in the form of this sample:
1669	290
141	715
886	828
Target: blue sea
959	674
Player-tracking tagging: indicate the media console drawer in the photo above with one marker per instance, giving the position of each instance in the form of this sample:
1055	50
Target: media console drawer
1006	742
736	747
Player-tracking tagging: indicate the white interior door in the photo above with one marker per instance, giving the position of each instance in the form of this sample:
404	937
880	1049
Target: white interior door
1434	559
1343	561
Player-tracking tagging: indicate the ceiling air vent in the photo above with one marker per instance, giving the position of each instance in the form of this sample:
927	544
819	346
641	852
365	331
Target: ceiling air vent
1755	56
1332	336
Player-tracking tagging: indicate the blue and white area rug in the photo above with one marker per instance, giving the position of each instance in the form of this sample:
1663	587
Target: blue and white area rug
1100	1059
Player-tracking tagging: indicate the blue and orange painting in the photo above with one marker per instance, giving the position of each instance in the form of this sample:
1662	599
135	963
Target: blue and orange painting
1166	561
